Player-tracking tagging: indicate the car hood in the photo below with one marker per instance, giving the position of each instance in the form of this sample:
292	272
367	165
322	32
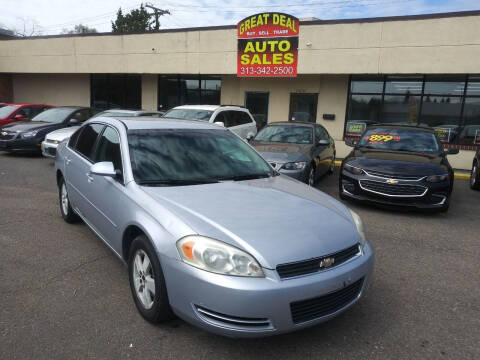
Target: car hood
30	126
282	152
277	220
398	163
62	134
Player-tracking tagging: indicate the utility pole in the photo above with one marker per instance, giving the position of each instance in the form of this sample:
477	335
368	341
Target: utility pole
157	13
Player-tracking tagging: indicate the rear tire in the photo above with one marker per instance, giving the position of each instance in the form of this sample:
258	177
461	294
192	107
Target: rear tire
475	177
65	208
147	282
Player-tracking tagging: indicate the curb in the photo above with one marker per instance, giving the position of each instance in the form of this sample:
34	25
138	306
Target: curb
459	176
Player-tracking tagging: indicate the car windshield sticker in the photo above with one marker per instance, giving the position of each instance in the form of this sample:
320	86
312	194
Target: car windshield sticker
355	129
443	134
382	138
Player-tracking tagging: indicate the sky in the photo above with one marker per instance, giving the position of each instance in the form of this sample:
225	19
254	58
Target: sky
48	17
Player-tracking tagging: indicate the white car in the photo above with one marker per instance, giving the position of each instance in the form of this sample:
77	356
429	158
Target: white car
52	139
236	118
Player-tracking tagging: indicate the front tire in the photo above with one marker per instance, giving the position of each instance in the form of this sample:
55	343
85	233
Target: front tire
65	208
147	282
311	176
331	169
475	177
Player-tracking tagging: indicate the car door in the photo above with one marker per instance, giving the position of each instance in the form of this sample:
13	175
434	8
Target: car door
78	161
323	153
105	193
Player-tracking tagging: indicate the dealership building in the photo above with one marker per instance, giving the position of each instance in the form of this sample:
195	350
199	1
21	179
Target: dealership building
422	70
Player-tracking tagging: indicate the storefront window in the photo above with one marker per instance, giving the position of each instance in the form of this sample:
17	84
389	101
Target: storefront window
193	90
450	104
116	91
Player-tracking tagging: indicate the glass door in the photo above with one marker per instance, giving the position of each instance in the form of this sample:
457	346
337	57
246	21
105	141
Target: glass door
257	104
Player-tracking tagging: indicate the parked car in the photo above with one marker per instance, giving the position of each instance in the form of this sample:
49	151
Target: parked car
10	113
399	166
304	151
126	113
236	118
468	135
28	136
209	230
475	175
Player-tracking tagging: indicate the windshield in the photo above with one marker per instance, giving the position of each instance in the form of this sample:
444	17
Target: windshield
286	134
400	140
187	156
189	114
7	110
56	115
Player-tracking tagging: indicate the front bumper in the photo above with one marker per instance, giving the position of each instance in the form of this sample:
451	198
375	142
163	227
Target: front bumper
20	144
301	175
435	196
253	307
49	149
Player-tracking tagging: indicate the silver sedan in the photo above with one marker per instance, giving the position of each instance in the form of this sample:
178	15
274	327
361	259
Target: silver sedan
209	230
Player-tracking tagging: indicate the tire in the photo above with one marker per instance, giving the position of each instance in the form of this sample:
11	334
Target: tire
154	308
331	169
311	176
475	177
65	208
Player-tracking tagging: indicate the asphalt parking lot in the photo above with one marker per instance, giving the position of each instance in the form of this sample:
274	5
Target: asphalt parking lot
65	295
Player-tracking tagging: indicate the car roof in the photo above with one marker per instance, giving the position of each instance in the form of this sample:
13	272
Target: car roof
147	123
406	127
292	123
27	104
198	107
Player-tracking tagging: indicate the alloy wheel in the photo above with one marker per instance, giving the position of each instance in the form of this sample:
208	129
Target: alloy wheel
64	199
311	177
474	175
143	278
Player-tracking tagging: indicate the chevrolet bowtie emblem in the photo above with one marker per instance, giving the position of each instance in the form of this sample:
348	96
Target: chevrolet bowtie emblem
392	181
326	263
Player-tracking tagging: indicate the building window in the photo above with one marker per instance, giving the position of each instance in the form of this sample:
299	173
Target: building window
303	107
116	91
449	103
193	90
257	103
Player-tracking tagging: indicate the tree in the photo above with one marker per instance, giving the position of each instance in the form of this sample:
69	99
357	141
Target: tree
137	20
80	29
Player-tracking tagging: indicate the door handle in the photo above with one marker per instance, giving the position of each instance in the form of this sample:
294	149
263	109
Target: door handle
68	161
89	177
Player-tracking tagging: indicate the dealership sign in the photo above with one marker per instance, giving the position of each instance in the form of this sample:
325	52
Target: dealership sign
268	45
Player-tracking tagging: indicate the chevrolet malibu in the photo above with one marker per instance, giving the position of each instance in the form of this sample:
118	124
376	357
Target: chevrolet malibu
209	230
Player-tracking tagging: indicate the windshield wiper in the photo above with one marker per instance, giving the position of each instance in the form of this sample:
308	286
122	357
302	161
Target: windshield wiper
247	177
176	182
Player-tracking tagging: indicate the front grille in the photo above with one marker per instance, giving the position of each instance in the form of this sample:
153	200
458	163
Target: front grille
392	189
232	321
313	265
393	176
318	307
51	151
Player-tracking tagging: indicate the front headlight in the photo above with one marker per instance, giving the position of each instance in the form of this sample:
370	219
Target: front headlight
359	225
353	169
218	257
29	134
294	165
438	178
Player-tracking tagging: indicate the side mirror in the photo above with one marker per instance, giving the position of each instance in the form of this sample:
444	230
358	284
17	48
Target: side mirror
73	121
220	123
324	142
250	137
19	117
104	168
452	151
350	143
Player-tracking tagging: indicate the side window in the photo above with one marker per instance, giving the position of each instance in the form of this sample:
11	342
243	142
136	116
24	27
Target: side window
108	148
26	111
86	140
243	118
80	116
35	110
321	134
73	139
221	117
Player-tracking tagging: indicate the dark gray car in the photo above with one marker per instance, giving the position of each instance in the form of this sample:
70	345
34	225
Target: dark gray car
304	151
